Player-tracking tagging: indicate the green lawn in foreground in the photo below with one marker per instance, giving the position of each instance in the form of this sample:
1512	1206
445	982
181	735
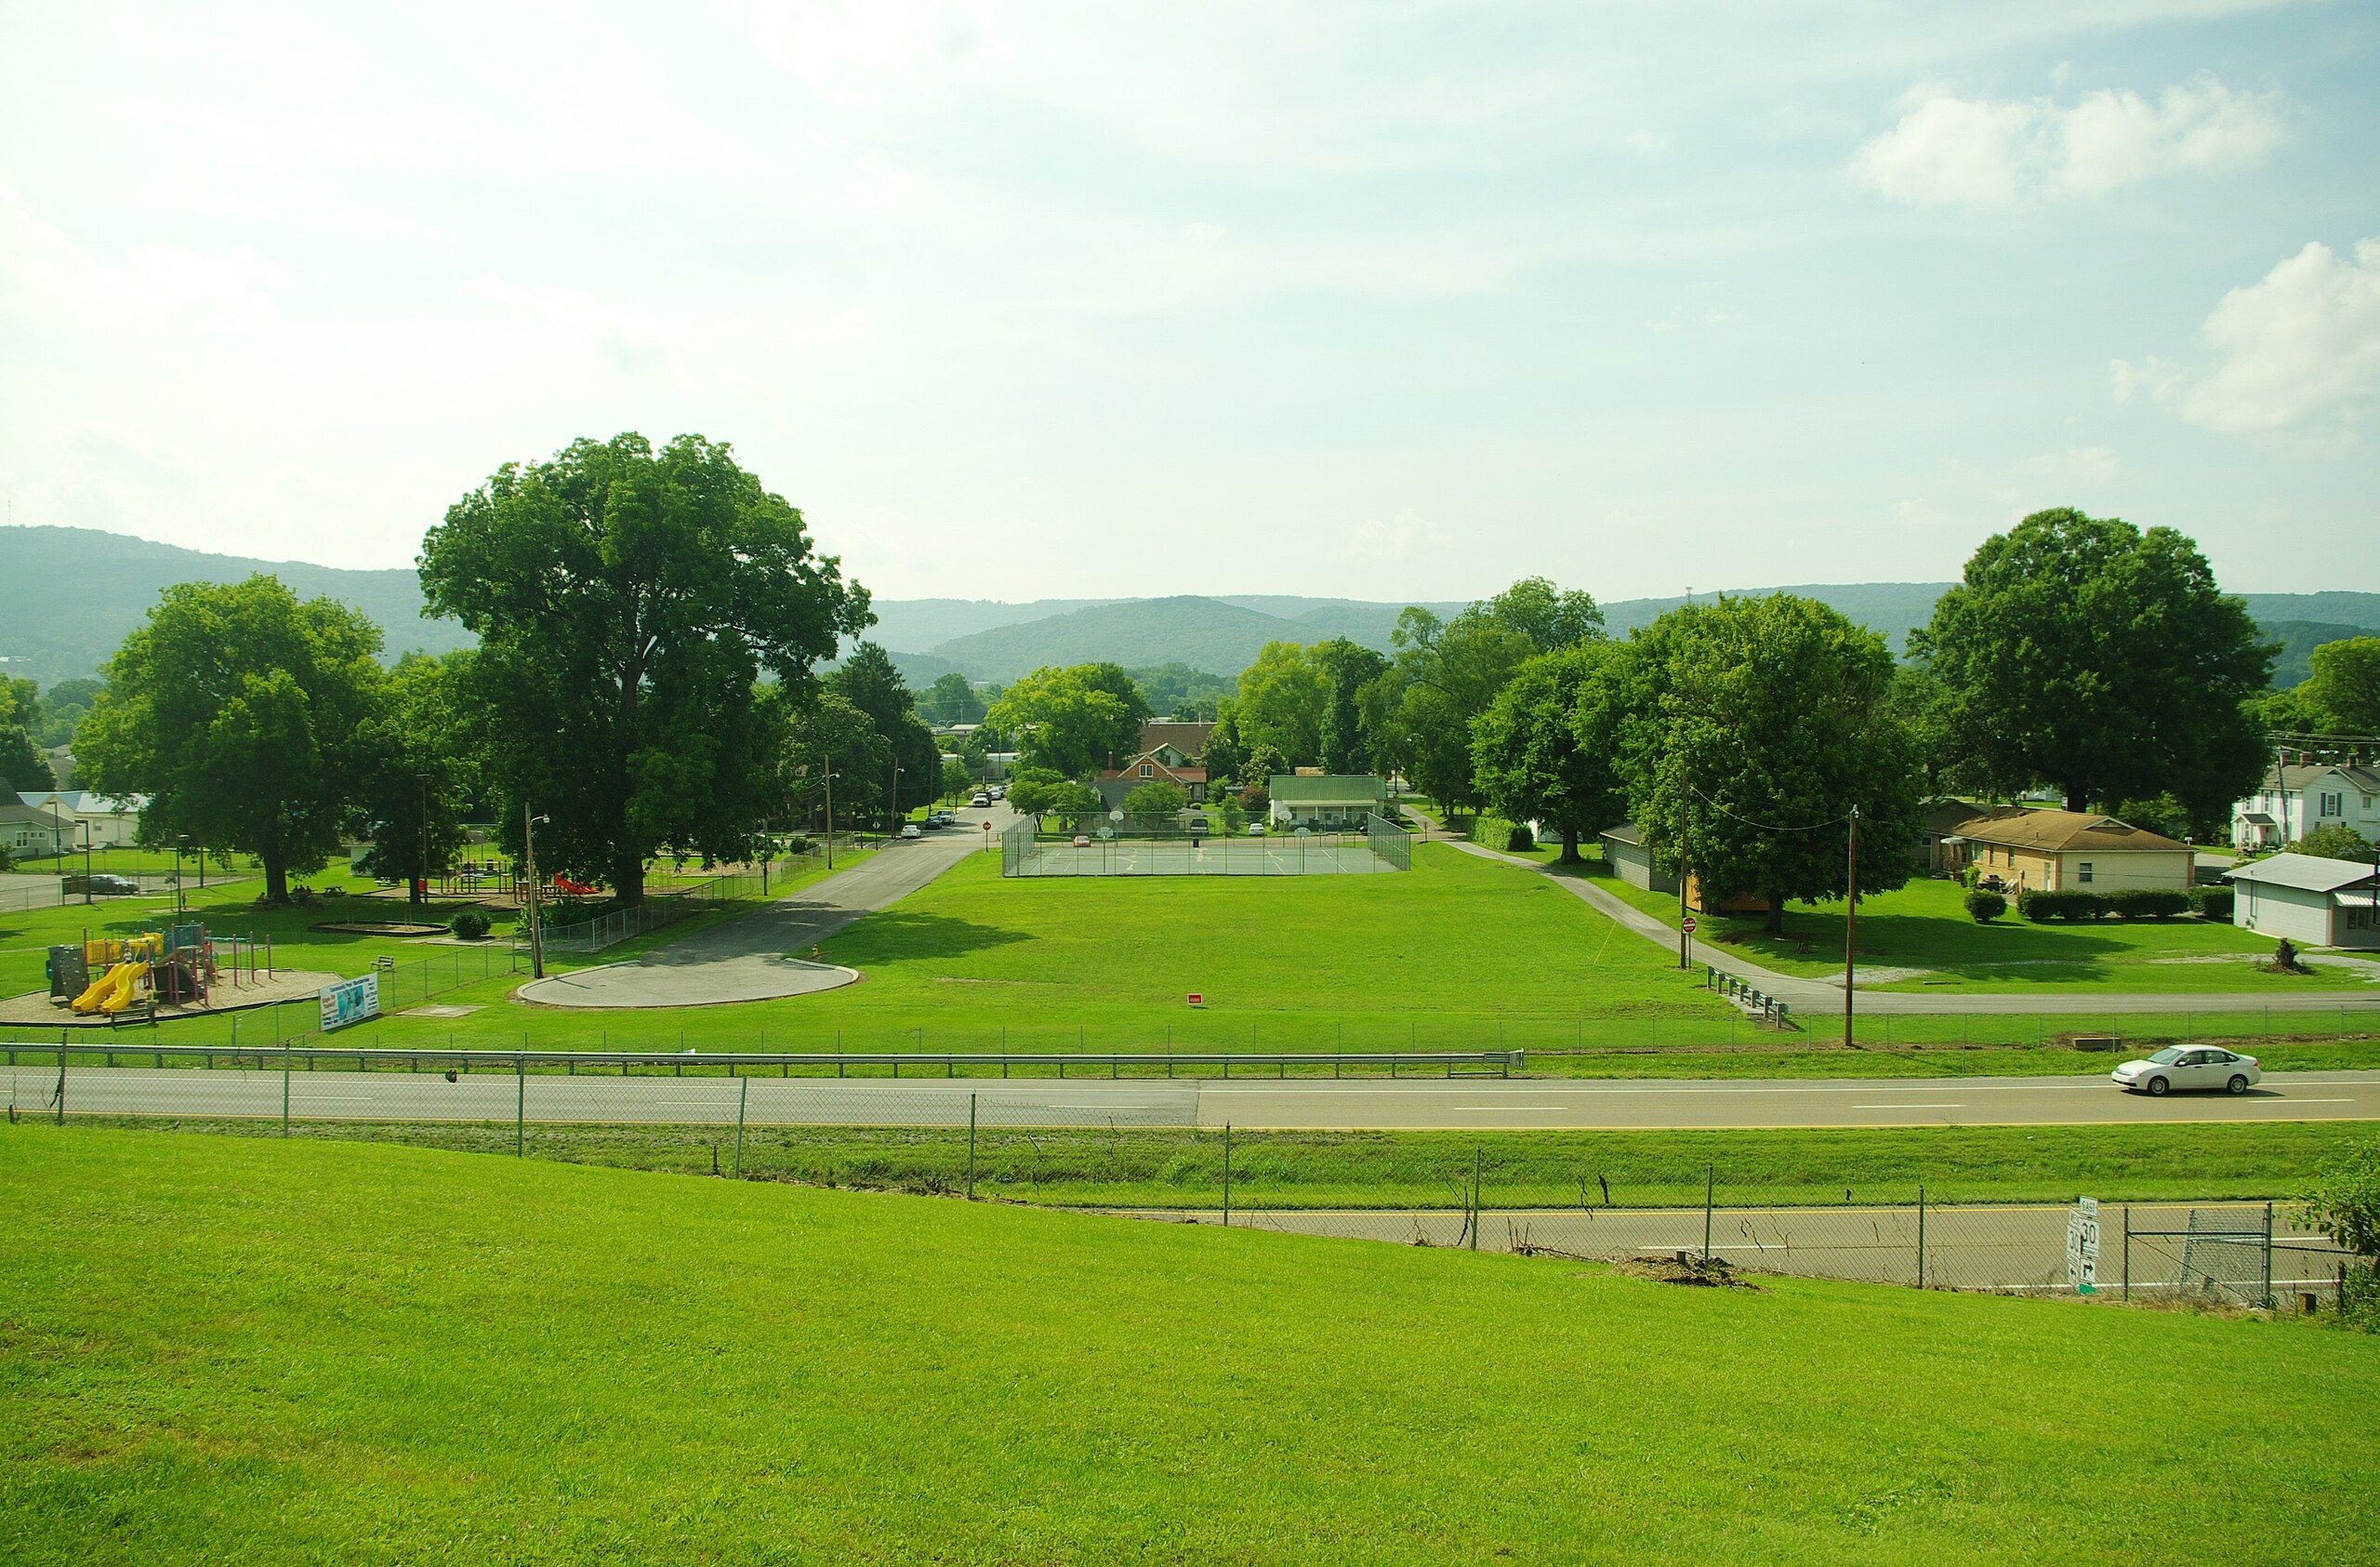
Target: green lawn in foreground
1926	925
218	1350
1177	1167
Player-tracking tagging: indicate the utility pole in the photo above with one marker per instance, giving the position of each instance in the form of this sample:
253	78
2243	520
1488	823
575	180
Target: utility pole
830	813
1851	926
87	862
418	893
529	853
1683	875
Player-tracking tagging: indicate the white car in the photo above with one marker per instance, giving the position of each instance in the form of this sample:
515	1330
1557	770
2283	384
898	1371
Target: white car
909	830
1256	830
981	799
1000	792
2177	1066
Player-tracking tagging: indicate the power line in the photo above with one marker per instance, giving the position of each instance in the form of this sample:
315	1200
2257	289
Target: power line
1768	827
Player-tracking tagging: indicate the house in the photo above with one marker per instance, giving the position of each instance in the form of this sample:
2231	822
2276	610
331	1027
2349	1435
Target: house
114	821
1163	762
1624	851
1327	802
2299	795
1939	822
2068	851
2308	898
36	830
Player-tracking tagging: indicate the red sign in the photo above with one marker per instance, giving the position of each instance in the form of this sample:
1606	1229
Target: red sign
1197	999
1686	925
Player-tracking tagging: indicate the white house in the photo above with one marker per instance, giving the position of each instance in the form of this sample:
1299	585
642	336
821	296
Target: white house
2296	797
2321	902
32	830
112	821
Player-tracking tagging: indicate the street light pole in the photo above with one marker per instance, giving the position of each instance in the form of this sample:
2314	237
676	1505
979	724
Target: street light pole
86	863
529	854
830	813
1850	926
418	893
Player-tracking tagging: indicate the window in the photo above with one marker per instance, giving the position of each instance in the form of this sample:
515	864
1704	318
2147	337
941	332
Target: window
2333	805
1147	771
2085	869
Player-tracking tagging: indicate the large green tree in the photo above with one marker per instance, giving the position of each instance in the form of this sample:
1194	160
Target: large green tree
950	700
626	600
2084	653
1443	677
1761	724
1073	721
1225	753
420	773
244	716
872	682
1547	750
1347	669
1281	700
22	766
2343	690
826	732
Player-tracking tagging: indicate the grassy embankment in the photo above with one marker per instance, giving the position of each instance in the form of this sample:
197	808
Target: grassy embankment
220	1350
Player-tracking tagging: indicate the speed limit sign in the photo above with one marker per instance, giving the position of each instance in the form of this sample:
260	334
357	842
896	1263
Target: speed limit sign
1686	925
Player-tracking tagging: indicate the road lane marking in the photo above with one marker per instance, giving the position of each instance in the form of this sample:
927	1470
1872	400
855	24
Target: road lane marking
1944	1105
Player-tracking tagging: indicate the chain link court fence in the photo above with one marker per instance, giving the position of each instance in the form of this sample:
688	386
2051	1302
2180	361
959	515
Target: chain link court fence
1135	1146
1195	842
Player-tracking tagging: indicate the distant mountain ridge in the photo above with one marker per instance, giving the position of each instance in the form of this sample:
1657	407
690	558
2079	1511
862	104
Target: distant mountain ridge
78	591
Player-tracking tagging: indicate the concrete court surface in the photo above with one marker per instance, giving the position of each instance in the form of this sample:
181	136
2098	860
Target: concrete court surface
751	958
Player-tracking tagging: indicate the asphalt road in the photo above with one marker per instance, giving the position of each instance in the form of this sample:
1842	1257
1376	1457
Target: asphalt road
754	957
1311	1105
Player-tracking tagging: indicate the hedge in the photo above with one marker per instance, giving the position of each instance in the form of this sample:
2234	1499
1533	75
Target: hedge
1986	907
2212	903
2124	903
2147	903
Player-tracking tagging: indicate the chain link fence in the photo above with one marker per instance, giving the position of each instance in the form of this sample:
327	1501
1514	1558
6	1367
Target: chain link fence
1197	842
1136	1148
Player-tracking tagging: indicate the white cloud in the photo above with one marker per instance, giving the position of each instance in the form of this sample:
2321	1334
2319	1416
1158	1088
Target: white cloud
46	276
633	341
1949	151
2298	352
1406	537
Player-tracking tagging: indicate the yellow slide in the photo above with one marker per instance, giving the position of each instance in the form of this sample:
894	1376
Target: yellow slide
113	991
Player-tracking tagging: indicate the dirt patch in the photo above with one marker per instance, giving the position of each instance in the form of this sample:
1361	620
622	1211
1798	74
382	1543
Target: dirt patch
380	927
1685	1267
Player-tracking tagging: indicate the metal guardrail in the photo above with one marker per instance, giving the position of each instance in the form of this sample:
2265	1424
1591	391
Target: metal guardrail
1759	1003
1500	1063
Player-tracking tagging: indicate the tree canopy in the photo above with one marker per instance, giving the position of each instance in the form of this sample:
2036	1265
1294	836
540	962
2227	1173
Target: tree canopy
244	716
872	682
2343	690
1547	750
2081	652
626	600
421	769
1074	720
823	729
951	699
1760	723
1281	700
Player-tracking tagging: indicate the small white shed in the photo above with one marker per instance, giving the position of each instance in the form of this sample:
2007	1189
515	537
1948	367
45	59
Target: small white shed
2307	898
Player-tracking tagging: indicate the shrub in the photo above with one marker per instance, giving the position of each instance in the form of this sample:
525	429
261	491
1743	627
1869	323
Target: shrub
2211	903
1986	907
470	924
2147	903
2346	1206
799	845
2334	840
2043	906
1518	839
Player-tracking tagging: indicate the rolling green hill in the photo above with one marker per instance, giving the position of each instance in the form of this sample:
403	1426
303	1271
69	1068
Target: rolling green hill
241	1349
2298	639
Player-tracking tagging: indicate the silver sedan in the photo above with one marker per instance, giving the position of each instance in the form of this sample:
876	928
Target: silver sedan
2204	1066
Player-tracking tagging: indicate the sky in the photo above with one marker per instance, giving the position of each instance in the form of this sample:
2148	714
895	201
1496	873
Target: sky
1399	299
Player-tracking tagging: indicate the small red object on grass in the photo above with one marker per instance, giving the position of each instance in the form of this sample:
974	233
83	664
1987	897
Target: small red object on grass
1197	999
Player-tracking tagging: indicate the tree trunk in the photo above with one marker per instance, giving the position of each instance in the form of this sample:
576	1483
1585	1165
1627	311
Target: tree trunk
1571	847
628	882
2075	799
276	877
1777	914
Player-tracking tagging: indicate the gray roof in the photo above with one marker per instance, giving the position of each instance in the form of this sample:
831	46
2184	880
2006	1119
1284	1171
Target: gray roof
1626	832
2306	872
79	800
2294	777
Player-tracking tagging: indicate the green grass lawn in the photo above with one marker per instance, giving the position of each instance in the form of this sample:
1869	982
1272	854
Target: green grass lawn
1453	954
1926	925
218	1350
1176	1167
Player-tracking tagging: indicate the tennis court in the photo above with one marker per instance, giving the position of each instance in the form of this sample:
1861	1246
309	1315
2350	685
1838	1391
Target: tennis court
1128	846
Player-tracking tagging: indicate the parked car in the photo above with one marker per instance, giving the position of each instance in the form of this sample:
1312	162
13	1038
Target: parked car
1256	830
103	884
1081	841
909	830
1000	792
981	799
2188	1066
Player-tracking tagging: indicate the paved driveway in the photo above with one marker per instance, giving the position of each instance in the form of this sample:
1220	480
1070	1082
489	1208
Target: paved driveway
754	958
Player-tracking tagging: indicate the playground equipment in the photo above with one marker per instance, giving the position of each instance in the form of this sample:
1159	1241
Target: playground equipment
174	965
575	889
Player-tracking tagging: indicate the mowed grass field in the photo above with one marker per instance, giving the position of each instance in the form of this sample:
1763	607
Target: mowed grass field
1183	1167
1457	954
1925	926
217	1349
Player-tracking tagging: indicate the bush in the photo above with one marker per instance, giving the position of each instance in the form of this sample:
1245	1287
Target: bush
1986	907
797	844
1518	839
470	924
2043	906
2346	1206
2211	903
2147	903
